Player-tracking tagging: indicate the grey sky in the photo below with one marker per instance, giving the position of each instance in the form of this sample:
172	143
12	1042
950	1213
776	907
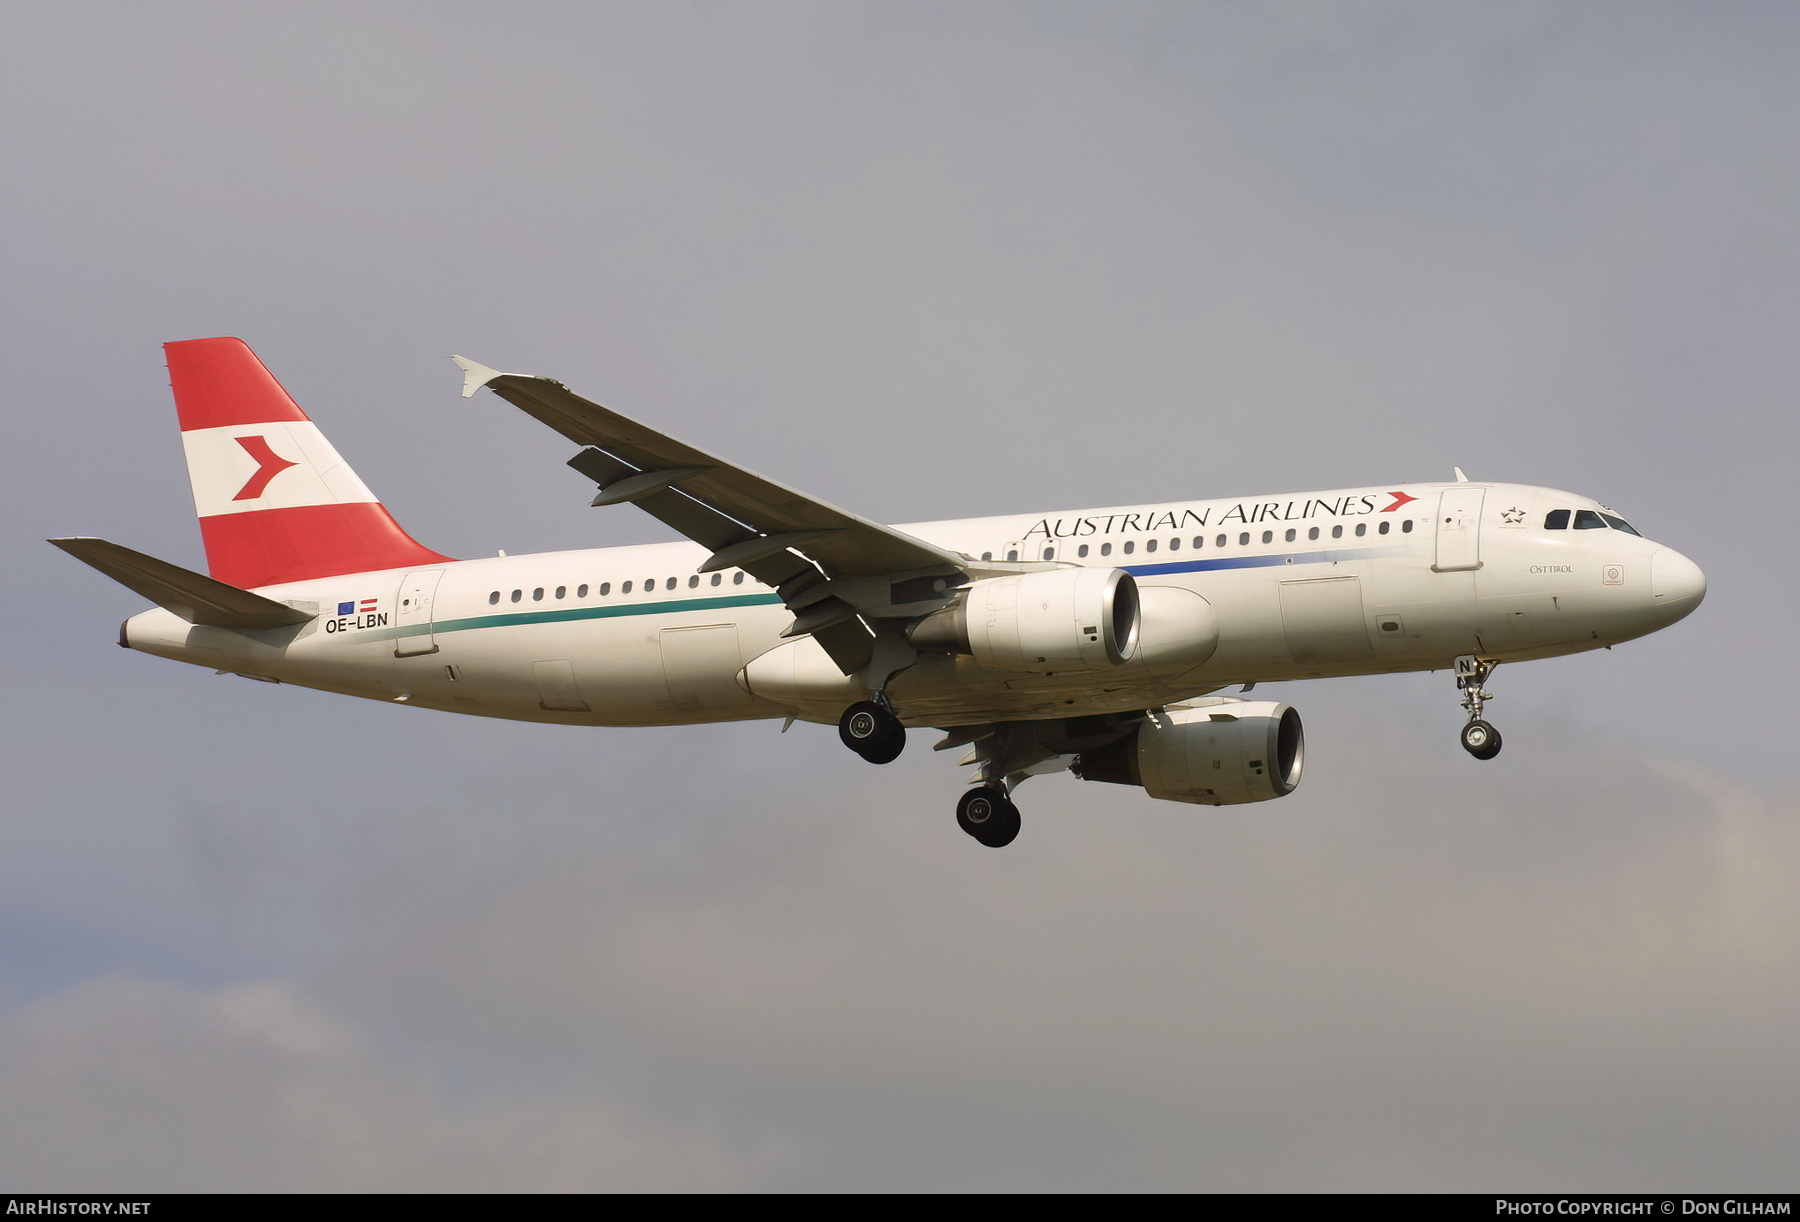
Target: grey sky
925	261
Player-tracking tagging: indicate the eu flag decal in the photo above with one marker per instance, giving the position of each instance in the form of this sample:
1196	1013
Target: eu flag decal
347	608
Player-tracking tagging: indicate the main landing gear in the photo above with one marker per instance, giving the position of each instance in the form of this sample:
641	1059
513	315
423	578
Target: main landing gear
1478	737
870	729
987	814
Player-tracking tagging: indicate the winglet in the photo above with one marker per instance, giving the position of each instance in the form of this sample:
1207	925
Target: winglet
474	376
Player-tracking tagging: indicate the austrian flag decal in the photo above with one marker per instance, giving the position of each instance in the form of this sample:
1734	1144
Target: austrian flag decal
356	614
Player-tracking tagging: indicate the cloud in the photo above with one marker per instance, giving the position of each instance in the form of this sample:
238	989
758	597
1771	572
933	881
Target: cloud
1393	979
123	1085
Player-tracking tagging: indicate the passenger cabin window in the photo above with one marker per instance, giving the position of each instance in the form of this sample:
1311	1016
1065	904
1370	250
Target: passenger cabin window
693	581
581	590
537	595
717	578
1406	527
1268	536
737	579
1362	528
1150	546
1174	545
1290	534
605	588
493	598
517	595
1012	554
1337	532
1106	549
1219	542
1243	539
1199	540
626	588
1383	528
1049	553
1587	519
1556	519
1081	551
1129	547
562	591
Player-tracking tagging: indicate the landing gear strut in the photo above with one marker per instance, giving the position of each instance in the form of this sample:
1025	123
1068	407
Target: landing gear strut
1478	737
987	814
870	729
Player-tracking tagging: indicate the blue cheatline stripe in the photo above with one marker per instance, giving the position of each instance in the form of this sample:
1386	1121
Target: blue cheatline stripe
565	614
1257	562
512	619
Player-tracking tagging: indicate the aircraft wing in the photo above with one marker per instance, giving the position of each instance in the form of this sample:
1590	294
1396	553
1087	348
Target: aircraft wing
748	521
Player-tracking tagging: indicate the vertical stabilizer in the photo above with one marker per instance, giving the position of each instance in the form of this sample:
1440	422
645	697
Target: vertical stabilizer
276	503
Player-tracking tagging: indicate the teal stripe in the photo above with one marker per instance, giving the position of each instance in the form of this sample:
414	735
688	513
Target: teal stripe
512	619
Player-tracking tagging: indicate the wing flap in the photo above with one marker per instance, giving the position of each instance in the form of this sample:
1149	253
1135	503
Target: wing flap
695	520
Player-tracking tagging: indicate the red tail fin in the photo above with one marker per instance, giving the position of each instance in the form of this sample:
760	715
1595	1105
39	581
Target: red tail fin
276	503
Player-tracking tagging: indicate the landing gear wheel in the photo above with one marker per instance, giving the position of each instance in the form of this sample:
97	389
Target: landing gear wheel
987	814
1478	737
1481	740
872	732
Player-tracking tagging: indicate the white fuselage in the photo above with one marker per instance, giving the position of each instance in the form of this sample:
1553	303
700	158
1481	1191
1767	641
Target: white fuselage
1357	581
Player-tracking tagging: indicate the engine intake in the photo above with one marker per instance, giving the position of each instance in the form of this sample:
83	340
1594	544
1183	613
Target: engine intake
1221	754
1058	620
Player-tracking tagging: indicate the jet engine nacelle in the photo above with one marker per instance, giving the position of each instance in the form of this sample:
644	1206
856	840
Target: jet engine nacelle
1220	754
1057	620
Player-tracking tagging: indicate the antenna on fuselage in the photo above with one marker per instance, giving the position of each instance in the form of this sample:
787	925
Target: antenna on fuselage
1460	477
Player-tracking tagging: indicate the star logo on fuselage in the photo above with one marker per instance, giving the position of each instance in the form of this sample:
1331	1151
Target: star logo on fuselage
1513	516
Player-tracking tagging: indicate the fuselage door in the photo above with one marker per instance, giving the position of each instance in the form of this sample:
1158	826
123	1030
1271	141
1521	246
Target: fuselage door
413	616
1323	620
1459	529
701	665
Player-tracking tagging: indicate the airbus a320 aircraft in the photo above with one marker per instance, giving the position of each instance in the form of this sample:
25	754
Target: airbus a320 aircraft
1082	640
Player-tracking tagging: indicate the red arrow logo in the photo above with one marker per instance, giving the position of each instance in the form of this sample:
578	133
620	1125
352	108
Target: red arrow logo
269	464
1400	498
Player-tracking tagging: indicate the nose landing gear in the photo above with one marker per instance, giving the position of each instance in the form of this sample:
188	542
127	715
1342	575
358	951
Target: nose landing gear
1478	737
870	729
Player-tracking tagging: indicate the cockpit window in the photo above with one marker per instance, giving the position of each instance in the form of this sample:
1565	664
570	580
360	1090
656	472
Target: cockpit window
1556	519
1618	523
1587	519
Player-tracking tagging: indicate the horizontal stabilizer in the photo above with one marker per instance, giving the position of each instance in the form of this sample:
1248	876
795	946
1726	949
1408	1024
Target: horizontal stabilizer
196	599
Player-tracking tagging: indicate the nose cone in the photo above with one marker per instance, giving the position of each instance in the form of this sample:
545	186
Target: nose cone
1676	585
